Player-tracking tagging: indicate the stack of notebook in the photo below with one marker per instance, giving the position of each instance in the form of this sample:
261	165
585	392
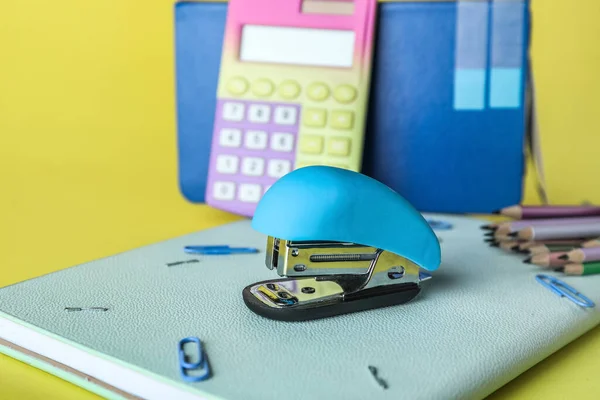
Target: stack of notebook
565	239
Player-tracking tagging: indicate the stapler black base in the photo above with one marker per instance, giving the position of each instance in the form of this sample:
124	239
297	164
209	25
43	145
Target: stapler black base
362	300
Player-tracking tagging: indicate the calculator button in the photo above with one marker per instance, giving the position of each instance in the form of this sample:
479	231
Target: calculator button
317	91
278	168
285	115
282	141
253	166
289	89
237	85
233	111
224	190
250	192
230	137
341	119
227	164
311	144
344	94
315	117
262	87
338	146
259	113
256	140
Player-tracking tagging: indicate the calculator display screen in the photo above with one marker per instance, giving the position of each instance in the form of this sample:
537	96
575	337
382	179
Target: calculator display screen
297	46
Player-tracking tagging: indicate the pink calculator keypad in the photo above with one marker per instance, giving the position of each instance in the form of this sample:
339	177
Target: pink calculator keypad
254	144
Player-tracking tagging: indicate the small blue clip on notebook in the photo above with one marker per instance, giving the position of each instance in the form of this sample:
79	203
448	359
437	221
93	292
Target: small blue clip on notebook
447	113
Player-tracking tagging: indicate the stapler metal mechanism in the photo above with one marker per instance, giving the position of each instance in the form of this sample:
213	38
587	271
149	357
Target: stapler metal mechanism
342	242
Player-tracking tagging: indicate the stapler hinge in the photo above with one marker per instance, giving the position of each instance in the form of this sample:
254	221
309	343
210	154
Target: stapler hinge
324	279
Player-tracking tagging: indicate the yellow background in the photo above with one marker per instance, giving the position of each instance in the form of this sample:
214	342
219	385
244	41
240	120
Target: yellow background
88	153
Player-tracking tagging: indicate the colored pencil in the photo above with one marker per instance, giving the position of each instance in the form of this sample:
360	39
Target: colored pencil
547	260
507	245
582	269
591	243
556	242
546	248
527	212
516	247
498	234
507	227
529	244
558	232
583	255
502	238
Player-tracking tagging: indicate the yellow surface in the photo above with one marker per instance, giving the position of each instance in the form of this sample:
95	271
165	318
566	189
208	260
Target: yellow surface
88	156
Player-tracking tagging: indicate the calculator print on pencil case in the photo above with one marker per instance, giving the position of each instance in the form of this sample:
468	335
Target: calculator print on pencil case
293	91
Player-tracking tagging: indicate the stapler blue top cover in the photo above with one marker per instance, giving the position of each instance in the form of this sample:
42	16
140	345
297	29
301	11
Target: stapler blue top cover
344	241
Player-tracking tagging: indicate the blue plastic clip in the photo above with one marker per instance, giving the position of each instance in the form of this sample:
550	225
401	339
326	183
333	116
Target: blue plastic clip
201	367
439	225
563	290
219	249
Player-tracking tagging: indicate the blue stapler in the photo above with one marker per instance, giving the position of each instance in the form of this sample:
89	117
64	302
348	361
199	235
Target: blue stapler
342	242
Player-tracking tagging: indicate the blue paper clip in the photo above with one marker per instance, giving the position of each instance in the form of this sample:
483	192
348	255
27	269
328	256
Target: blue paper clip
200	366
219	249
563	290
439	225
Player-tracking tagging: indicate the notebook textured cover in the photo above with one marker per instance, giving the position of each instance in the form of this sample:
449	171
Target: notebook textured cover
482	320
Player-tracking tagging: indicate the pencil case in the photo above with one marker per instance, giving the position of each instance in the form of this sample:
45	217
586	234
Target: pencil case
448	109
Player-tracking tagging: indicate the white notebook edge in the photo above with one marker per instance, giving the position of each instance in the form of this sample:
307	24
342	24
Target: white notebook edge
101	367
62	371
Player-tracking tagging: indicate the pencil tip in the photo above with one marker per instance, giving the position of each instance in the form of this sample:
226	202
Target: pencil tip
515	248
513	234
494	244
527	261
564	257
559	269
488	234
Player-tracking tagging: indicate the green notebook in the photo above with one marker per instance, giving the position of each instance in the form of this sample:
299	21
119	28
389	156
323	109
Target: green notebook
478	323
